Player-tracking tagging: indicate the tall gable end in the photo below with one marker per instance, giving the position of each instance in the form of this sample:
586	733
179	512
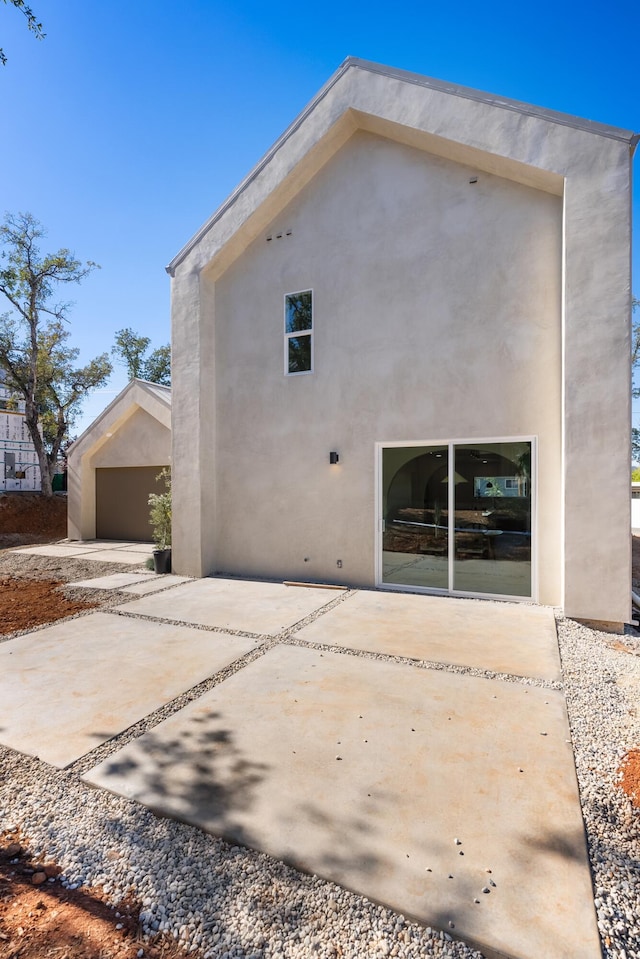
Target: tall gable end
528	144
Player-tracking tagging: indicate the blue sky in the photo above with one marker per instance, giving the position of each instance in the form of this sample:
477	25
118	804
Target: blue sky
130	123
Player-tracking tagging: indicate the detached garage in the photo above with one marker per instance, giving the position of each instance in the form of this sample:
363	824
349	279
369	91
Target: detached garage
113	466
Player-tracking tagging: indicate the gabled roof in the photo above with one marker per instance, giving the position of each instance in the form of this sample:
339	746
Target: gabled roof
153	398
379	101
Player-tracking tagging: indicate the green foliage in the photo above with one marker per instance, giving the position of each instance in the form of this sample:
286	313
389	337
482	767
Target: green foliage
36	361
130	350
160	511
158	366
635	475
32	23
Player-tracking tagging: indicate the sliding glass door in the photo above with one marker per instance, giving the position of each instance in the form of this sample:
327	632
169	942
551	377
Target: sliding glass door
415	546
457	517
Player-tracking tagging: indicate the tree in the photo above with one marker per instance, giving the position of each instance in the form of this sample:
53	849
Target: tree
635	361
32	23
130	350
36	361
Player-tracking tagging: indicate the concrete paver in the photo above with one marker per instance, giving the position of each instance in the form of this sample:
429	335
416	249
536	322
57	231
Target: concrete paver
253	607
99	543
145	548
55	549
102	551
117	556
368	771
155	584
503	637
95	676
115	580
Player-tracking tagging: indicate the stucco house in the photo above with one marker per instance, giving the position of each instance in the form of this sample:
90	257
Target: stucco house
401	353
113	465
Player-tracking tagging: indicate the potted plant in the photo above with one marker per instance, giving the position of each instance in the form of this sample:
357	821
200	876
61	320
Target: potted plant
160	519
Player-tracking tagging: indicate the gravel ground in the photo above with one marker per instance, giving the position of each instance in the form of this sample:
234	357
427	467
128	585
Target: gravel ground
602	685
225	901
65	568
221	899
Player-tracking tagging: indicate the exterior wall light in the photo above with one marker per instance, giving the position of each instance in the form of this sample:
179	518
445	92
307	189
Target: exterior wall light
334	459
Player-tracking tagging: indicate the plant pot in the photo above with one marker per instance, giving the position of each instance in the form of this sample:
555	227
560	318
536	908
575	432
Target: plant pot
162	560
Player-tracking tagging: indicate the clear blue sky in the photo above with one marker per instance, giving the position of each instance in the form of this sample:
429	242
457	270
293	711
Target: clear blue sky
131	122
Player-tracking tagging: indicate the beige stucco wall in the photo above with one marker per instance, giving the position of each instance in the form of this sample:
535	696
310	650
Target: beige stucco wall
140	441
437	315
134	431
404	256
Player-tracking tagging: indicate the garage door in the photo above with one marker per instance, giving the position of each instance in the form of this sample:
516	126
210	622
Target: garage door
122	510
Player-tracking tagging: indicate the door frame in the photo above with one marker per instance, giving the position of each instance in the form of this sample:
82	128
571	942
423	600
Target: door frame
451	444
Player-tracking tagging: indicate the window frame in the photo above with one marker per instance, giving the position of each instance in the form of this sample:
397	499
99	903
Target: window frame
298	333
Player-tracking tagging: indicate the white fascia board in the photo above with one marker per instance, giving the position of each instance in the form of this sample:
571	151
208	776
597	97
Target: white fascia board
504	103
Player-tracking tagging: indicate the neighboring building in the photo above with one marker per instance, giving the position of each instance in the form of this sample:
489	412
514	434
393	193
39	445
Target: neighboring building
635	507
431	285
19	467
113	465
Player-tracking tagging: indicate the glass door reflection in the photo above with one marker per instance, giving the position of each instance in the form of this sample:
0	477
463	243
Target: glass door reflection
492	518
415	540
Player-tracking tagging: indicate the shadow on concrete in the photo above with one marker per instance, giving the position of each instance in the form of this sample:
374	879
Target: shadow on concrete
199	777
345	847
570	846
202	778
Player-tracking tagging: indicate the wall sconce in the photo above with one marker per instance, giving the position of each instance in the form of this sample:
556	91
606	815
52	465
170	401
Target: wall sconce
334	459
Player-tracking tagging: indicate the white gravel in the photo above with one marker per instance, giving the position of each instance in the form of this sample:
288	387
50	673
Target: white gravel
221	899
602	686
227	902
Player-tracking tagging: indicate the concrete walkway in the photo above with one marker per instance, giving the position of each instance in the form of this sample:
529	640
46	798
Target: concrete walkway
102	551
413	749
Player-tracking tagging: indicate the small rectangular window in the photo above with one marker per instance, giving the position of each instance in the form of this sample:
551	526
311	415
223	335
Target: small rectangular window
298	332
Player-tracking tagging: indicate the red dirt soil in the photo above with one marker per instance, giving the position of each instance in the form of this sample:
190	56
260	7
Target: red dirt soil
31	518
40	919
630	776
26	603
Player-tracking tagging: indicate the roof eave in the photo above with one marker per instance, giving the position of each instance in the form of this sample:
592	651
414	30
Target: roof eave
114	402
504	103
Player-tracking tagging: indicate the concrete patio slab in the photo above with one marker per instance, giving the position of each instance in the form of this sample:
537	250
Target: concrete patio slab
99	543
117	556
504	637
67	688
139	548
155	584
252	607
451	798
115	580
132	554
57	549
